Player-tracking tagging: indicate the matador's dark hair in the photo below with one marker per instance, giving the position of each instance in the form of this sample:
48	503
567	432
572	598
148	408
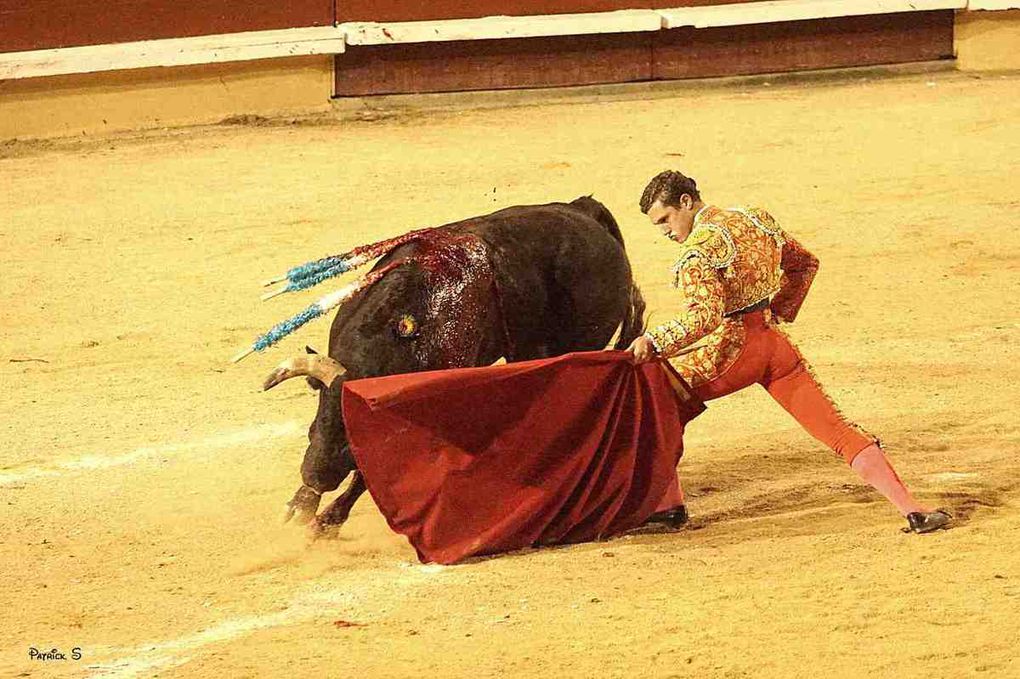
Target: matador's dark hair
667	187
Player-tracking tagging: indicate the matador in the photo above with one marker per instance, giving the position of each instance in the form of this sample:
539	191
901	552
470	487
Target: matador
739	276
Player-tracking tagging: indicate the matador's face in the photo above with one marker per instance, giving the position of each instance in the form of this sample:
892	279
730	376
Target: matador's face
674	221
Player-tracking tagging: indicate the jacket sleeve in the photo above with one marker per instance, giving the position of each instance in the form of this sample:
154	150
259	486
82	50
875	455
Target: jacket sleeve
702	312
799	269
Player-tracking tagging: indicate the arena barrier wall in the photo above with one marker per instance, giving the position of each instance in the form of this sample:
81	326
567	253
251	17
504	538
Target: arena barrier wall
62	67
683	52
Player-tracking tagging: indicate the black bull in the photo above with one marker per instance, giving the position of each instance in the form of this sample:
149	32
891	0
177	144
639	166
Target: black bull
522	283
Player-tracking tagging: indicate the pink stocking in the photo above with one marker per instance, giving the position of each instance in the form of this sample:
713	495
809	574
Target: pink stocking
873	466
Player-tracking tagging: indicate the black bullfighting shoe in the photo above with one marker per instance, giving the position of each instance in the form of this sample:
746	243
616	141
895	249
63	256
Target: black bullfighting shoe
926	522
673	518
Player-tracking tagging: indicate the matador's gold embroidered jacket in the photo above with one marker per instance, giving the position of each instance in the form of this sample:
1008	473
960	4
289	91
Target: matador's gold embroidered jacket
733	259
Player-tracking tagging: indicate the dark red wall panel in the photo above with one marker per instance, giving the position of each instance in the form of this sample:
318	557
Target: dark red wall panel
664	55
494	64
803	45
34	24
421	10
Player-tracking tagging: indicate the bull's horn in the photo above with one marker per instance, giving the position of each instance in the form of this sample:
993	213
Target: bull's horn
322	368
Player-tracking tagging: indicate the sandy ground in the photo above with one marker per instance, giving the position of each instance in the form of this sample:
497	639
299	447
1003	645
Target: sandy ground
142	478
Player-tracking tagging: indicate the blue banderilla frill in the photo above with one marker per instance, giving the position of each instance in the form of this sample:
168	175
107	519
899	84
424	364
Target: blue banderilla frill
284	328
311	274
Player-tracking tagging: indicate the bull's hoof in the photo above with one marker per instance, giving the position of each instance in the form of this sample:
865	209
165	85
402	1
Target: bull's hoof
322	530
298	516
927	522
303	505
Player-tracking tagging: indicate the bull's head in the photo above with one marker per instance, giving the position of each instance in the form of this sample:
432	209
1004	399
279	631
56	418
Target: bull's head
427	305
383	330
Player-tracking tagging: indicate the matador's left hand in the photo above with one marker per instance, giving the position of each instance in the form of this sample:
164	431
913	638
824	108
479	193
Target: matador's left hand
642	349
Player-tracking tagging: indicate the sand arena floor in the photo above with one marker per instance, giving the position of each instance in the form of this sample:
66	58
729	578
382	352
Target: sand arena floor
142	477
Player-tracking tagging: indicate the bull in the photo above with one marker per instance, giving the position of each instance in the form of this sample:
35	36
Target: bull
522	283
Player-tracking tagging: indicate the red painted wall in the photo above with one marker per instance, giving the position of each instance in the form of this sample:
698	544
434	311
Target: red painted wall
39	24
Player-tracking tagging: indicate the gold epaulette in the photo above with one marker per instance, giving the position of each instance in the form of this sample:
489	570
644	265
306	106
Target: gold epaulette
764	221
711	241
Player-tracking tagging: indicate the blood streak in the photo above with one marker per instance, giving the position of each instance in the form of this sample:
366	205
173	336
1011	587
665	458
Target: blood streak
459	299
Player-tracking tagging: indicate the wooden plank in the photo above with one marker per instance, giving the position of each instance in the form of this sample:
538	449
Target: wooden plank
501	27
674	54
506	27
803	45
175	52
494	64
432	10
33	25
994	5
728	14
794	10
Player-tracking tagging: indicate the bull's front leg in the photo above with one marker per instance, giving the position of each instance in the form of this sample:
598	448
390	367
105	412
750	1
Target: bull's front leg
320	473
329	521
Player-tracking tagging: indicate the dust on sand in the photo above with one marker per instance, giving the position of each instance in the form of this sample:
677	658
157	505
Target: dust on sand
142	478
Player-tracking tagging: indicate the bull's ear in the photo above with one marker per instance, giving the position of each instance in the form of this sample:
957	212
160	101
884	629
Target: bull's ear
309	350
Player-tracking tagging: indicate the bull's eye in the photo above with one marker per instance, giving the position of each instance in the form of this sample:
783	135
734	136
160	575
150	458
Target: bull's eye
407	326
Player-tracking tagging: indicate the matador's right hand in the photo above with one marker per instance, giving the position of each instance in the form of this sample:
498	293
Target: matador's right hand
642	350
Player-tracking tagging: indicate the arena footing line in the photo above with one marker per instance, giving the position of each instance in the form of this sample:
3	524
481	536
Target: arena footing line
317	601
91	462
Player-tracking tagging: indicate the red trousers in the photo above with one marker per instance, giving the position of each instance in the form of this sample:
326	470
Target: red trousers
771	360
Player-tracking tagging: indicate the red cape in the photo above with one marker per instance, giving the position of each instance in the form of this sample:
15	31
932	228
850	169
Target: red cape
477	461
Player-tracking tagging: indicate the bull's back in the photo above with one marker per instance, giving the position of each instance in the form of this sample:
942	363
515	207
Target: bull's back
537	237
563	275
